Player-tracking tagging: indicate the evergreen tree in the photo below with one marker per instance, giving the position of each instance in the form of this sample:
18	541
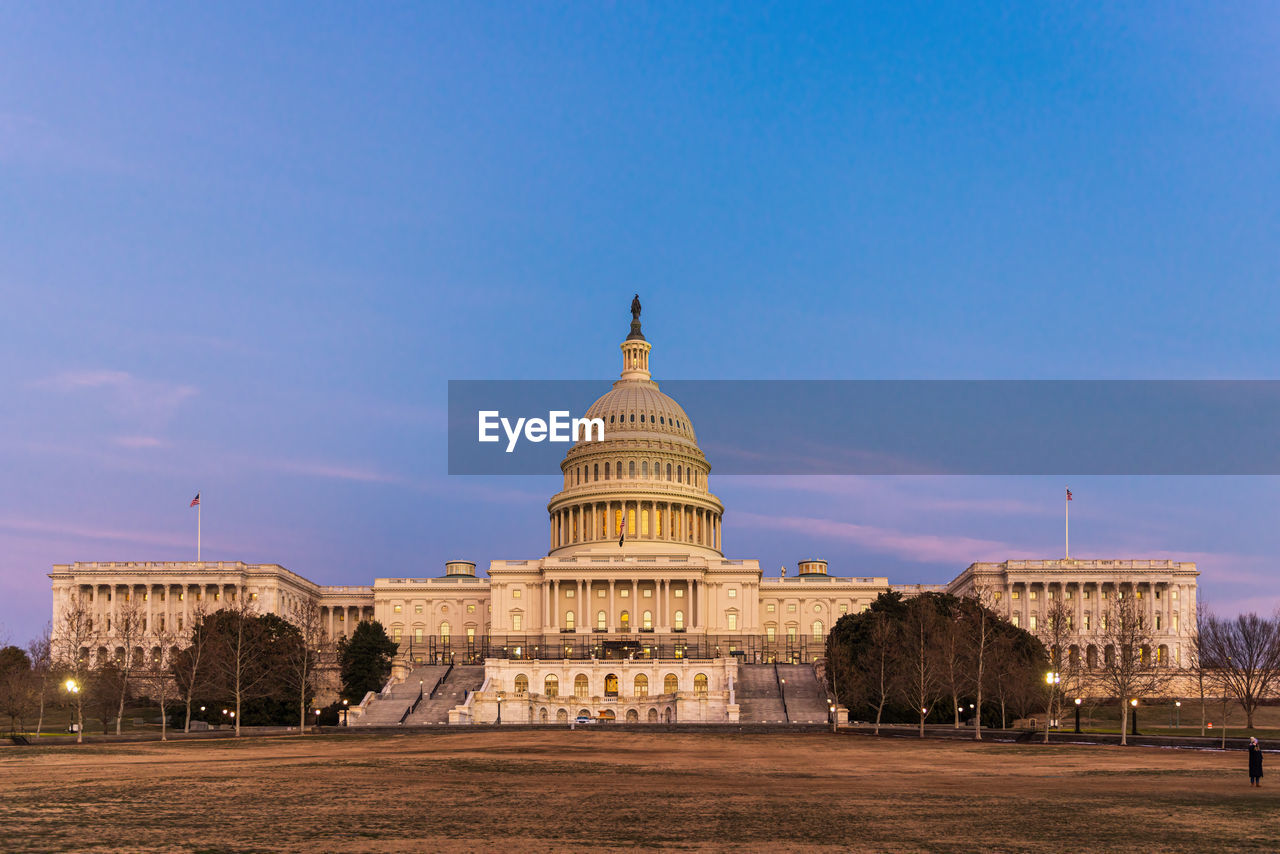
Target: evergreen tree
366	660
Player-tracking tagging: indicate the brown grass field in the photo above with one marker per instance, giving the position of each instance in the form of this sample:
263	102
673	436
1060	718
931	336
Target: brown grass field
589	790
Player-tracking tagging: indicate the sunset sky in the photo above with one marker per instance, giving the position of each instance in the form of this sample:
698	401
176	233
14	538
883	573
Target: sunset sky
243	249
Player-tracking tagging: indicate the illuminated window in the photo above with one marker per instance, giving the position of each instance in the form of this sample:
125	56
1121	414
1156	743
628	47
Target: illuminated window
1035	594
417	609
817	629
1017	621
581	687
679	592
647	620
647	593
568	594
551	687
700	684
770	632
670	684
568	620
791	607
641	685
625	593
516	593
471	609
679	620
771	607
601	620
522	683
1033	622
396	609
600	594
1017	594
395	634
444	632
733	593
417	635
517	622
733	622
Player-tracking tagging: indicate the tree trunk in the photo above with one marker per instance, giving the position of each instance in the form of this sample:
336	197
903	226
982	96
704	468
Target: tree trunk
120	711
164	717
922	726
237	714
186	726
955	706
1124	722
1203	706
79	723
40	719
302	708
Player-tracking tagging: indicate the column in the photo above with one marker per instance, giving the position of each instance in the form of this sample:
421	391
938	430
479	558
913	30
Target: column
612	622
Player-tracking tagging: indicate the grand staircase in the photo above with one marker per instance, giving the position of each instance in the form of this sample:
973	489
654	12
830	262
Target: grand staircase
756	691
389	708
452	692
805	695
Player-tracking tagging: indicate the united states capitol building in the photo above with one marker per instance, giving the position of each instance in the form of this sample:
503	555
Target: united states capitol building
635	613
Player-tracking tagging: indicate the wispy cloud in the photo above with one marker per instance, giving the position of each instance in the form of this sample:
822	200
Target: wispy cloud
923	548
76	531
139	442
126	395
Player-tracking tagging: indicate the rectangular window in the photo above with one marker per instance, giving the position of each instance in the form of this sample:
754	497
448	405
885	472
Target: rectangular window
1157	595
844	607
471	633
517	622
1157	622
679	592
791	608
1035	594
516	594
771	607
999	595
769	632
1175	622
471	609
1137	594
1086	594
733	593
395	634
648	593
733	622
417	609
1086	622
1175	593
600	594
568	594
625	593
1017	594
417	635
1033	622
1017	621
791	632
397	609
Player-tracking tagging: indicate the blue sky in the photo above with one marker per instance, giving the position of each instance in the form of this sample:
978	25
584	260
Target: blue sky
243	249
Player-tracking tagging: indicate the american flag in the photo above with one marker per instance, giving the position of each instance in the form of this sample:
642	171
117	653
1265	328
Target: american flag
195	500
1068	495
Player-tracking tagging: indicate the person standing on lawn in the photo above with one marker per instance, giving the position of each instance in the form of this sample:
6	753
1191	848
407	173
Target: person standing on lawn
1255	763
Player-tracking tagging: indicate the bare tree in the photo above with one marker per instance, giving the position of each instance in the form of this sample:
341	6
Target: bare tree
981	637
190	666
1129	669
1245	652
40	651
877	667
952	655
155	672
72	636
1196	662
918	662
130	626
1056	634
16	681
303	657
239	659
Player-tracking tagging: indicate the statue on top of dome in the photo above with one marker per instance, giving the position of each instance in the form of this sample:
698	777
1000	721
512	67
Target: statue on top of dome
636	334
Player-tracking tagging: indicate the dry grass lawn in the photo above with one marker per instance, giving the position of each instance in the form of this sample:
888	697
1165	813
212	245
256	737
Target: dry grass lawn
591	790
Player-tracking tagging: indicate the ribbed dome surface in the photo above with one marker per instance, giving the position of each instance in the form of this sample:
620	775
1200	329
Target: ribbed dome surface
639	407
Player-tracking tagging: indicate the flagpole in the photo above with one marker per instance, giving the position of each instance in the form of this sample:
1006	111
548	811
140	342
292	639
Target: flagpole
199	511
1067	506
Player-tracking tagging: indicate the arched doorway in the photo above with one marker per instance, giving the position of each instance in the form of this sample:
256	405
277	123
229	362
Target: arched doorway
653	716
633	717
542	716
562	716
668	716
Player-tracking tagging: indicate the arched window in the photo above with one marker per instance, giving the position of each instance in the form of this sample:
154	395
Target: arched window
644	468
653	716
647	620
633	717
631	468
551	687
522	684
601	620
624	620
568	620
679	620
562	716
700	684
611	685
817	629
670	684
444	632
1162	654
595	469
679	475
642	685
580	686
606	471
542	716
668	471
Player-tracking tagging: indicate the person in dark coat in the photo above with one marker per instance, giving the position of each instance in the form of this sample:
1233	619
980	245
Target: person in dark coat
1255	763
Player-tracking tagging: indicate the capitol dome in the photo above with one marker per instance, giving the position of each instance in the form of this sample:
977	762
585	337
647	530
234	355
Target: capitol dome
643	488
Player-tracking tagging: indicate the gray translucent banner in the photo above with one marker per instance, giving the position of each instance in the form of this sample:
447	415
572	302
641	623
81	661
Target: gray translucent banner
893	427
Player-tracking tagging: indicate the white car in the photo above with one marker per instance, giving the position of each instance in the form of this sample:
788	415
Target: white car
584	719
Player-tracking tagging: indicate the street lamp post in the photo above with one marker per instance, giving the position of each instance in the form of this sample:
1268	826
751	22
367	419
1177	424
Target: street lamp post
345	709
499	707
73	688
1077	715
1134	704
1177	710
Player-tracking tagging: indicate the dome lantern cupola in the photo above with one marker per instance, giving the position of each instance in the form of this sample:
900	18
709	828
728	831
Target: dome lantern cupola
635	350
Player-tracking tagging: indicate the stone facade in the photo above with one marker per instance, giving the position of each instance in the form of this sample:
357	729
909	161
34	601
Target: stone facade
635	581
